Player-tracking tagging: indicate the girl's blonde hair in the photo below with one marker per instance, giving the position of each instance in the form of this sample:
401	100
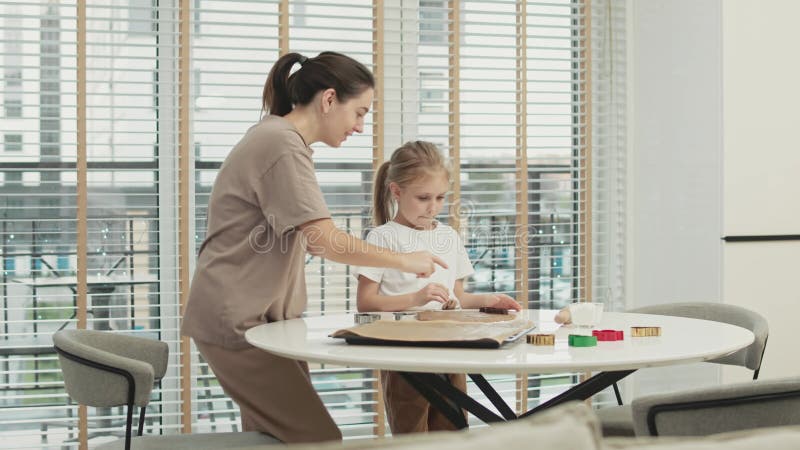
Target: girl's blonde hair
413	160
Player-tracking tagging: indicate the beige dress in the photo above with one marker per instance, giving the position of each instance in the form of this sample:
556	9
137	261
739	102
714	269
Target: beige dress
250	270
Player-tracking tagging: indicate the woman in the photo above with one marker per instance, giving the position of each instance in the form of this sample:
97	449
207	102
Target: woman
265	212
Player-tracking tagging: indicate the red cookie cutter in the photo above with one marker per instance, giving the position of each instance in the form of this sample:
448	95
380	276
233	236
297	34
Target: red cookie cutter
608	335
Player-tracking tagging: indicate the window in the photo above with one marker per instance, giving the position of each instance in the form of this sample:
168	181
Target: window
12	68
433	91
13	178
12	106
497	96
142	17
196	17
12	142
13	79
433	21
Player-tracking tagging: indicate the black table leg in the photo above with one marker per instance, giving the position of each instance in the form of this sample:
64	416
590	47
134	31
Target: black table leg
439	392
493	396
423	383
450	400
583	390
617	394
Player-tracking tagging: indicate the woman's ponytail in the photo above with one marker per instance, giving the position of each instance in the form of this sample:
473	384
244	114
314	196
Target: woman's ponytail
276	99
381	196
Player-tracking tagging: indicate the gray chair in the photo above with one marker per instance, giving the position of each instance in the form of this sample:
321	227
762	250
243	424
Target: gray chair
700	412
618	420
104	369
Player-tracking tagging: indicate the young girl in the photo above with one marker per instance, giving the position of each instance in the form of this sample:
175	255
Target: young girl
409	192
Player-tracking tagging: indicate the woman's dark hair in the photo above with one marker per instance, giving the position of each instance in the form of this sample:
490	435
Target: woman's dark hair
343	74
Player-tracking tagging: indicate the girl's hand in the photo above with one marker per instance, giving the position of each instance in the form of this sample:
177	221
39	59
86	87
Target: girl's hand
431	292
421	263
564	317
502	301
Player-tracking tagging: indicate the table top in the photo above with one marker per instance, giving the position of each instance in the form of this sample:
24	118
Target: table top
91	280
26	345
41	344
682	340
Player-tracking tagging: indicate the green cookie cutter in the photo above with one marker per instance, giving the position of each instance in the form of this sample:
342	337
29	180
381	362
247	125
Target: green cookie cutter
577	340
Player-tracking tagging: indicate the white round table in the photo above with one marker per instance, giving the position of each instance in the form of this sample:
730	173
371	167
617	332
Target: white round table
682	340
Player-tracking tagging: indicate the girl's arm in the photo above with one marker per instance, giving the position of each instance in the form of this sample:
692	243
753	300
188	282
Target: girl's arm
368	298
474	301
328	241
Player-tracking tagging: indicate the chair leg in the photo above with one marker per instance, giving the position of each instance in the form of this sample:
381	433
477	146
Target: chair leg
128	427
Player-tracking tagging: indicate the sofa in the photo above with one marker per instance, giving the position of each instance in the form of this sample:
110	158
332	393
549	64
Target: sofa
572	426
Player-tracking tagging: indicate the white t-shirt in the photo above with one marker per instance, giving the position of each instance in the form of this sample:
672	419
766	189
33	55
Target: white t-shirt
442	241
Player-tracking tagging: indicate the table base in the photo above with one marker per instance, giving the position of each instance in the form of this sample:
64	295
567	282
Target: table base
450	400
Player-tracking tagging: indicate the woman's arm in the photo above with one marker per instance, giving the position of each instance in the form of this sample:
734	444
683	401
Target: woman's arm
474	301
326	240
368	297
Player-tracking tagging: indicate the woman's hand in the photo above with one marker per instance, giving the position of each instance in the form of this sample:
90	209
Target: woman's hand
502	301
421	263
432	292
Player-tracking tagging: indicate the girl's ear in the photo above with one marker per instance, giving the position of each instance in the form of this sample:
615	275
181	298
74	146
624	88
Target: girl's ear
328	98
395	189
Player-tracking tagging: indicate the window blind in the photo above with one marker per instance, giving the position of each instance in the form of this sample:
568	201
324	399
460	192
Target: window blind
227	101
609	122
345	175
132	135
38	219
501	86
233	46
131	145
609	46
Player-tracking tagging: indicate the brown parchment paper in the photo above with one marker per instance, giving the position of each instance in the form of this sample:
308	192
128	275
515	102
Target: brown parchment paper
443	331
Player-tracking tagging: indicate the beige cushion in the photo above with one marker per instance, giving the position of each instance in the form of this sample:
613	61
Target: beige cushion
572	426
198	441
779	438
616	420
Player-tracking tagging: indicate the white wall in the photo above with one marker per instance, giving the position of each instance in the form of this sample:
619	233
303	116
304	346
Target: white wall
715	153
761	66
676	157
676	152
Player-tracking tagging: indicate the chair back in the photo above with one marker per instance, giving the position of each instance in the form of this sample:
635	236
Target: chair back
719	409
750	356
105	369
